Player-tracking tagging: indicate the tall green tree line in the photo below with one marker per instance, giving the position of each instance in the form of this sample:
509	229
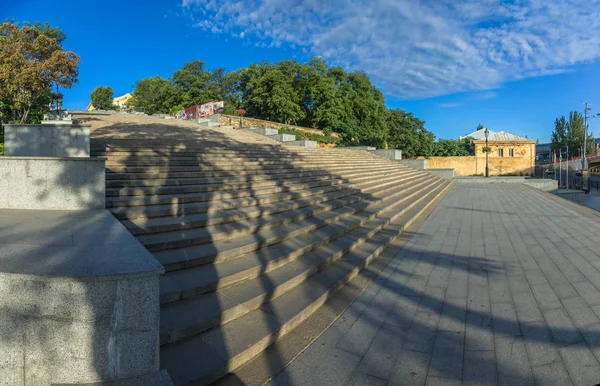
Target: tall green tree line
311	94
570	133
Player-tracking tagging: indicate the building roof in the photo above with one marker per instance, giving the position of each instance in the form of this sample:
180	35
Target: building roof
496	136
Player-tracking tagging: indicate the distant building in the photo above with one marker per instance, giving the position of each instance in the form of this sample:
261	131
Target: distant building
508	154
118	101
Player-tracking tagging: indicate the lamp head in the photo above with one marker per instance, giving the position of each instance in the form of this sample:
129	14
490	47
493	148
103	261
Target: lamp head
486	132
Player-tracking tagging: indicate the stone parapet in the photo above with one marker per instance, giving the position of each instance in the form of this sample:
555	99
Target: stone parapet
48	140
52	183
80	300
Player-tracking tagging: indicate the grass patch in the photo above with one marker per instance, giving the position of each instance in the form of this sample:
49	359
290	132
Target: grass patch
1	148
320	138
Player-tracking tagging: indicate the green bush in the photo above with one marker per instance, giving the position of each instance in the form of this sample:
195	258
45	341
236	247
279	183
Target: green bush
1	148
321	138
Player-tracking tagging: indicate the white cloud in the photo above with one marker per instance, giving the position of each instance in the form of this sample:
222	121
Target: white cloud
449	105
416	49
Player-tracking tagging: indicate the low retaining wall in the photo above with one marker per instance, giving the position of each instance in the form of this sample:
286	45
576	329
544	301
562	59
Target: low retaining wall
545	185
443	173
47	140
52	183
415	163
391	154
234	120
80	300
471	165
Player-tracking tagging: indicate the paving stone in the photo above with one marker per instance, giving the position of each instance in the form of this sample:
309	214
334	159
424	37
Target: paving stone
581	364
513	364
453	315
381	355
402	312
435	381
561	327
538	340
505	320
551	374
581	314
421	335
527	308
447	357
545	296
588	292
479	368
361	379
410	368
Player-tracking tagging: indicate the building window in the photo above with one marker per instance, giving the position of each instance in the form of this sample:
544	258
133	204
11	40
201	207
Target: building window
511	152
500	152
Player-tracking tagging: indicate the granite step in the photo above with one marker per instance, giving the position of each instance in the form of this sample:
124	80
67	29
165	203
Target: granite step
229	180
230	197
238	173
195	255
195	236
187	156
187	283
206	357
241	216
155	167
141	213
212	187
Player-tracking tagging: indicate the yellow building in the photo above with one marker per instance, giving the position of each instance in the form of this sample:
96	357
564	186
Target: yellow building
508	154
118	101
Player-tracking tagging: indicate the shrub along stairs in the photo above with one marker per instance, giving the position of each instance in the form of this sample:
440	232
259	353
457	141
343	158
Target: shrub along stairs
254	236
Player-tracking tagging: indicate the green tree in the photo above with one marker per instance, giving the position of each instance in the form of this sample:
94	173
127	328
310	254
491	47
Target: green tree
561	137
479	127
155	95
197	85
570	133
269	94
408	133
32	61
102	98
453	147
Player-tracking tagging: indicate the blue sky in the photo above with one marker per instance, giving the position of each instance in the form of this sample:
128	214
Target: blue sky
510	65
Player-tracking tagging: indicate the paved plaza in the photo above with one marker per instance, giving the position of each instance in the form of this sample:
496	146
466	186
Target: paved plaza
500	285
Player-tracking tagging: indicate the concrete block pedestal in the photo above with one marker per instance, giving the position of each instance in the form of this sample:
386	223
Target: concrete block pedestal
48	140
80	300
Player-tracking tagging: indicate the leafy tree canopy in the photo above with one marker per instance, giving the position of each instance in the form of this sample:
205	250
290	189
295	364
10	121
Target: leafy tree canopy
31	62
102	98
569	133
312	94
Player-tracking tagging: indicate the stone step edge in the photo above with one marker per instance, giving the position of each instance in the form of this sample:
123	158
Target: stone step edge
259	370
197	189
178	243
202	199
250	178
284	328
242	308
196	172
155	190
171	209
180	222
195	208
251	272
192	259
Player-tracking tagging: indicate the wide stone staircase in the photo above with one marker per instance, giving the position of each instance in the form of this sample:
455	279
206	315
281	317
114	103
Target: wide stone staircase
254	235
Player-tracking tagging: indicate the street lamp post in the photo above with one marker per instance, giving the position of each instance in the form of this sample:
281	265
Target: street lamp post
487	152
584	158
